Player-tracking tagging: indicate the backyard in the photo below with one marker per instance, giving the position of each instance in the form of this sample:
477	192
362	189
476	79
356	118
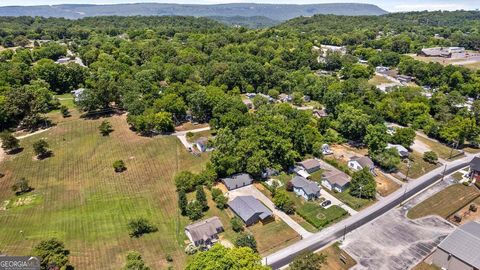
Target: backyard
79	199
353	202
446	202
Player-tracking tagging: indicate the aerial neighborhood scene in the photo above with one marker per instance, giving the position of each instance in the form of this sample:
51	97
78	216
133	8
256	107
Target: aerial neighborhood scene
195	135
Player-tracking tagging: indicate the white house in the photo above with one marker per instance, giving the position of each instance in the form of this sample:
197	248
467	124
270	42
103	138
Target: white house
402	151
335	180
309	190
358	163
202	144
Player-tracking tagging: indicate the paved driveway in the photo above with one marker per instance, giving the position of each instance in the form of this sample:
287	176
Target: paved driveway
253	191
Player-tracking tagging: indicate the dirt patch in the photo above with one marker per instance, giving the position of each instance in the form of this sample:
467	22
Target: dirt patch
466	214
345	151
385	185
337	259
190	126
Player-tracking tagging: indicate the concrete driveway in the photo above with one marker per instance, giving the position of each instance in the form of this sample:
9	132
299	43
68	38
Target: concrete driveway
253	191
336	201
182	136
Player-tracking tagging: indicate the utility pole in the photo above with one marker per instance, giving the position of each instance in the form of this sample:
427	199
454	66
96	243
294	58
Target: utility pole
444	170
344	232
409	165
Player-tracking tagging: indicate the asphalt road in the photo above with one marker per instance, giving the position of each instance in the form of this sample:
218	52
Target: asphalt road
284	256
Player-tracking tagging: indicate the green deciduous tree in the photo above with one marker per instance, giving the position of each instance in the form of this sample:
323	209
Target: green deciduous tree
201	197
246	240
135	262
220	257
195	210
376	138
140	226
52	254
21	186
388	159
283	202
237	224
404	136
182	202
9	142
363	184
105	128
40	148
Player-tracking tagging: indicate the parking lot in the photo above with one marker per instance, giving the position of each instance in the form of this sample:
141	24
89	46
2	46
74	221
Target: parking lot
395	242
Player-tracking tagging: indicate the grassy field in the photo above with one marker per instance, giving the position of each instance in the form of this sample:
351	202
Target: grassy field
334	261
80	200
425	266
378	80
273	236
353	202
198	135
418	166
442	150
446	202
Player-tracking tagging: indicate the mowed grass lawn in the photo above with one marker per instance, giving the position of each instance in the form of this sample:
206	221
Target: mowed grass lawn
446	202
87	206
418	166
442	150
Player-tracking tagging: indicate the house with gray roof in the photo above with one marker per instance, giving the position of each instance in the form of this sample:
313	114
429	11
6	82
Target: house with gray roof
475	168
310	165
249	209
307	189
402	151
359	163
202	144
204	232
460	250
335	179
237	181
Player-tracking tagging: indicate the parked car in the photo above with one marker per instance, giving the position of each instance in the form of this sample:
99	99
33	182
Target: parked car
326	203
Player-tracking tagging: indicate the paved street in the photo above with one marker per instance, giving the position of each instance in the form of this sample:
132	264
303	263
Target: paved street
324	237
253	191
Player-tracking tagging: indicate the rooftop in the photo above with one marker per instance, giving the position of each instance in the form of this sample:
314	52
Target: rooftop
309	164
237	180
205	229
464	243
363	161
308	186
475	164
247	206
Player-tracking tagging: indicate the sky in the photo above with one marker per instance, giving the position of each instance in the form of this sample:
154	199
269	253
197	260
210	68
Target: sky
391	5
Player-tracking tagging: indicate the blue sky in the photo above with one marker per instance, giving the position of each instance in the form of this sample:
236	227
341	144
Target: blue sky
395	5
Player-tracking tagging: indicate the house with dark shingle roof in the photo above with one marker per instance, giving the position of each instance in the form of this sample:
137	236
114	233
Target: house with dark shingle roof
310	165
335	179
202	144
237	181
249	209
309	190
460	250
475	168
204	232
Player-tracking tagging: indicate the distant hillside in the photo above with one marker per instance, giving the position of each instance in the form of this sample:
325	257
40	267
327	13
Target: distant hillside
271	11
250	22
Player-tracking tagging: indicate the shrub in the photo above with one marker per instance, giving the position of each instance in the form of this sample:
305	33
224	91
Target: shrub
431	157
52	253
246	240
283	202
40	148
105	128
21	186
140	226
64	111
194	210
237	224
9	142
119	166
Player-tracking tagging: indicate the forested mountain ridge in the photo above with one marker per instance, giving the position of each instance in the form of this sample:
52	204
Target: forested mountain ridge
271	11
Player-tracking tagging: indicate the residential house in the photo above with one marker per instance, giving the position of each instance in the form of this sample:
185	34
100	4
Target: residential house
249	209
205	232
251	95
237	181
269	98
335	180
202	144
460	250
404	79
359	163
382	69
63	60
77	94
326	150
269	172
284	98
475	168
310	165
331	48
402	151
320	113
309	190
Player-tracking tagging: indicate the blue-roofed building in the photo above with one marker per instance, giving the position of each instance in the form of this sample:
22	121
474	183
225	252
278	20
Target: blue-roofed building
249	209
237	181
309	190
